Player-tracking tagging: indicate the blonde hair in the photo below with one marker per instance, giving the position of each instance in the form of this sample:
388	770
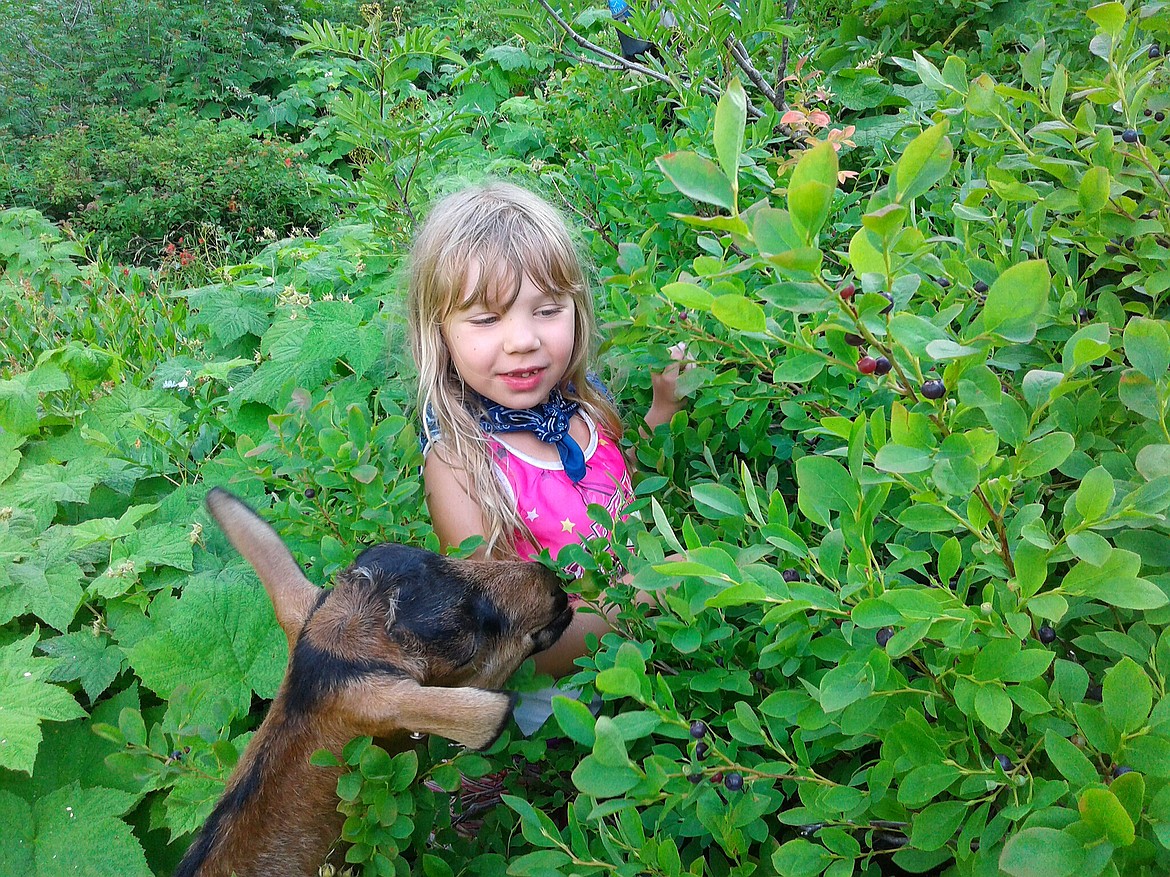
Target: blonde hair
506	232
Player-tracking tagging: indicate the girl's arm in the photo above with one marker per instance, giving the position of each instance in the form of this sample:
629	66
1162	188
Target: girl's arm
454	515
666	402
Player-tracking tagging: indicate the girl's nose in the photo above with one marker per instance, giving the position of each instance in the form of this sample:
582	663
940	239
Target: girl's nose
521	337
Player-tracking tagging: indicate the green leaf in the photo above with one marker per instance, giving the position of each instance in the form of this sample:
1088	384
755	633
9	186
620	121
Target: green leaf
604	781
689	295
1044	454
1105	815
738	312
824	486
1093	193
1017	301
799	858
902	459
71	832
1110	17
993	707
937	824
1042	852
811	190
84	656
1095	494
1073	765
221	634
1147	347
925	783
1115	582
723	502
575	720
25	701
698	178
1127	696
730	118
926	160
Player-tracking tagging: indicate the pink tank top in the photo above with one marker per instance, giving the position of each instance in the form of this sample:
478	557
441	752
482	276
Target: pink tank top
553	507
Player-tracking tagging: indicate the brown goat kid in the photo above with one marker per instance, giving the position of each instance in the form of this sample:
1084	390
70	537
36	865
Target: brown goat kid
379	654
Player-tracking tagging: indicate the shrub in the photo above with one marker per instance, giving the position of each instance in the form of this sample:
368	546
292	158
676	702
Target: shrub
137	183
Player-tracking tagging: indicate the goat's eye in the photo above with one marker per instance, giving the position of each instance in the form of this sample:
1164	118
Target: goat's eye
491	621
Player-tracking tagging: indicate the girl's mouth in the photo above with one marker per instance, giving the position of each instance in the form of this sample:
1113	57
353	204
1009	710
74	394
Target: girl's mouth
523	380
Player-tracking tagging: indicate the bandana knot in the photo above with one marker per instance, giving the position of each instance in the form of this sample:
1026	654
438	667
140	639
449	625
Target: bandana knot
548	421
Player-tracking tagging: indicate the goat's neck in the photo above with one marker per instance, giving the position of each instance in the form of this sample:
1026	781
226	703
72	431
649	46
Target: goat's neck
278	814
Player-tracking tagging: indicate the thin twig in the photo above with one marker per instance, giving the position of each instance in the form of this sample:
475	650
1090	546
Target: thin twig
782	71
625	64
740	53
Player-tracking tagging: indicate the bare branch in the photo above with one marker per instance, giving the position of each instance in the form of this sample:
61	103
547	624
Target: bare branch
740	53
620	63
782	71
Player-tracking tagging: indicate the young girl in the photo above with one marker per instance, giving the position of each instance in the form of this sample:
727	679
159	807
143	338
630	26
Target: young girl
519	438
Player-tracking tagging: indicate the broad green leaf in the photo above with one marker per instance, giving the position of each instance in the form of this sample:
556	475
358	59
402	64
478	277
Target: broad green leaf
1139	394
1042	852
723	501
824	486
698	178
1017	301
1093	192
84	656
689	295
223	634
1095	494
738	312
604	781
799	858
1103	813
1115	582
1147	347
1127	695
993	707
575	720
811	190
1110	17
71	831
1073	764
903	459
26	700
1045	453
845	684
925	783
926	160
730	118
937	824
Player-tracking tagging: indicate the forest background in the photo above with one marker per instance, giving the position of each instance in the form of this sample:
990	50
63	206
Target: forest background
918	253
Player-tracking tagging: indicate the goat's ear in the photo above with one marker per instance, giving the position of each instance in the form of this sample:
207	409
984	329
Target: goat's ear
293	596
474	717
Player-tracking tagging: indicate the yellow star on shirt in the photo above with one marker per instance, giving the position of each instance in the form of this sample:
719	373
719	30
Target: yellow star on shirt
567	526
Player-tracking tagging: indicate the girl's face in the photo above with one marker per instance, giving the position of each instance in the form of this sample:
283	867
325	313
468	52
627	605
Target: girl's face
514	355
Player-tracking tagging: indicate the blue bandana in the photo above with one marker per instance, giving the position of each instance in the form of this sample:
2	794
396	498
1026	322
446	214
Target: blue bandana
548	421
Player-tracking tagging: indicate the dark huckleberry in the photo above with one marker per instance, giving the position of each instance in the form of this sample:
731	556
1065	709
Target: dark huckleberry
1046	634
884	635
882	366
934	389
1005	763
733	782
698	730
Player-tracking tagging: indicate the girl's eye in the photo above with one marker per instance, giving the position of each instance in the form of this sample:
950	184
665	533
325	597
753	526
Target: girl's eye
485	320
551	311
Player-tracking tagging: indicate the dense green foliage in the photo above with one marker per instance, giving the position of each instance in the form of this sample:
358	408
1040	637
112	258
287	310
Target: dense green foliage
916	616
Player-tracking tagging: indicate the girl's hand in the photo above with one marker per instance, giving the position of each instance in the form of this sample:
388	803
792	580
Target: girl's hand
667	402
